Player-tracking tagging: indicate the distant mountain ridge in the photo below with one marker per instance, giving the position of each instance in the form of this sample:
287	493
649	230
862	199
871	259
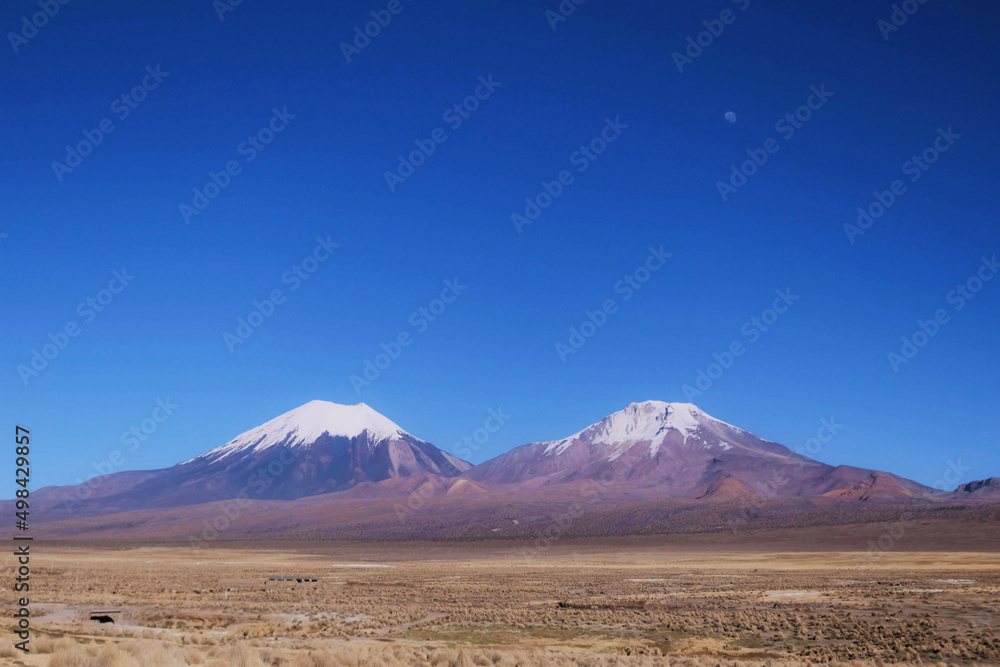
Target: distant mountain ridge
322	453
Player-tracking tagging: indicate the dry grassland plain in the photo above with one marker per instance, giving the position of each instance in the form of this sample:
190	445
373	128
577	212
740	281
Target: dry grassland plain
695	600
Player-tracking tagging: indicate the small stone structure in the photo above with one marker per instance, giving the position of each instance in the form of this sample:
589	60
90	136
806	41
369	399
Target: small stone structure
105	615
296	579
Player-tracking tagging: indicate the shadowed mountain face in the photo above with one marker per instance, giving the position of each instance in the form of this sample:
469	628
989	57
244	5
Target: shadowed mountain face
984	489
681	452
315	449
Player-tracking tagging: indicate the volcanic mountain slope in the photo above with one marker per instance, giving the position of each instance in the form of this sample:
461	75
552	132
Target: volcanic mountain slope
878	485
315	449
328	470
676	450
984	489
726	488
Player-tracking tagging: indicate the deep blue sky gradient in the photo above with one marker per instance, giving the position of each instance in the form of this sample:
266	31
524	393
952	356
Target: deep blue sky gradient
495	346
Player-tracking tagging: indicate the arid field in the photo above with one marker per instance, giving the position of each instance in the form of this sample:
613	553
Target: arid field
686	600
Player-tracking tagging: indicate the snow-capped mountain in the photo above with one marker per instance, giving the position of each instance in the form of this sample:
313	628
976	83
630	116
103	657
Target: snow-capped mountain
330	447
650	421
672	449
317	448
352	462
305	425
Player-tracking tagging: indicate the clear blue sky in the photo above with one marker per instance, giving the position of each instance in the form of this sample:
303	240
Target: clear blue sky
495	345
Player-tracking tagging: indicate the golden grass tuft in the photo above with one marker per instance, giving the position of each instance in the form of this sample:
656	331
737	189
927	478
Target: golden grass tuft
42	644
237	655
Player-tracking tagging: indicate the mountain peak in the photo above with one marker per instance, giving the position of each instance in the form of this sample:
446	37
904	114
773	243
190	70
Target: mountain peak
660	405
307	423
643	421
346	420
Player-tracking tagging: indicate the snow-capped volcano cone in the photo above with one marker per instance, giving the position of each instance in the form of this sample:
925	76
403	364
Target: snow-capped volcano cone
317	448
669	449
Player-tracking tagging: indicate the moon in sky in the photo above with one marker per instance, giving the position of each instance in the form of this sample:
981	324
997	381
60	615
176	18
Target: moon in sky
730	116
